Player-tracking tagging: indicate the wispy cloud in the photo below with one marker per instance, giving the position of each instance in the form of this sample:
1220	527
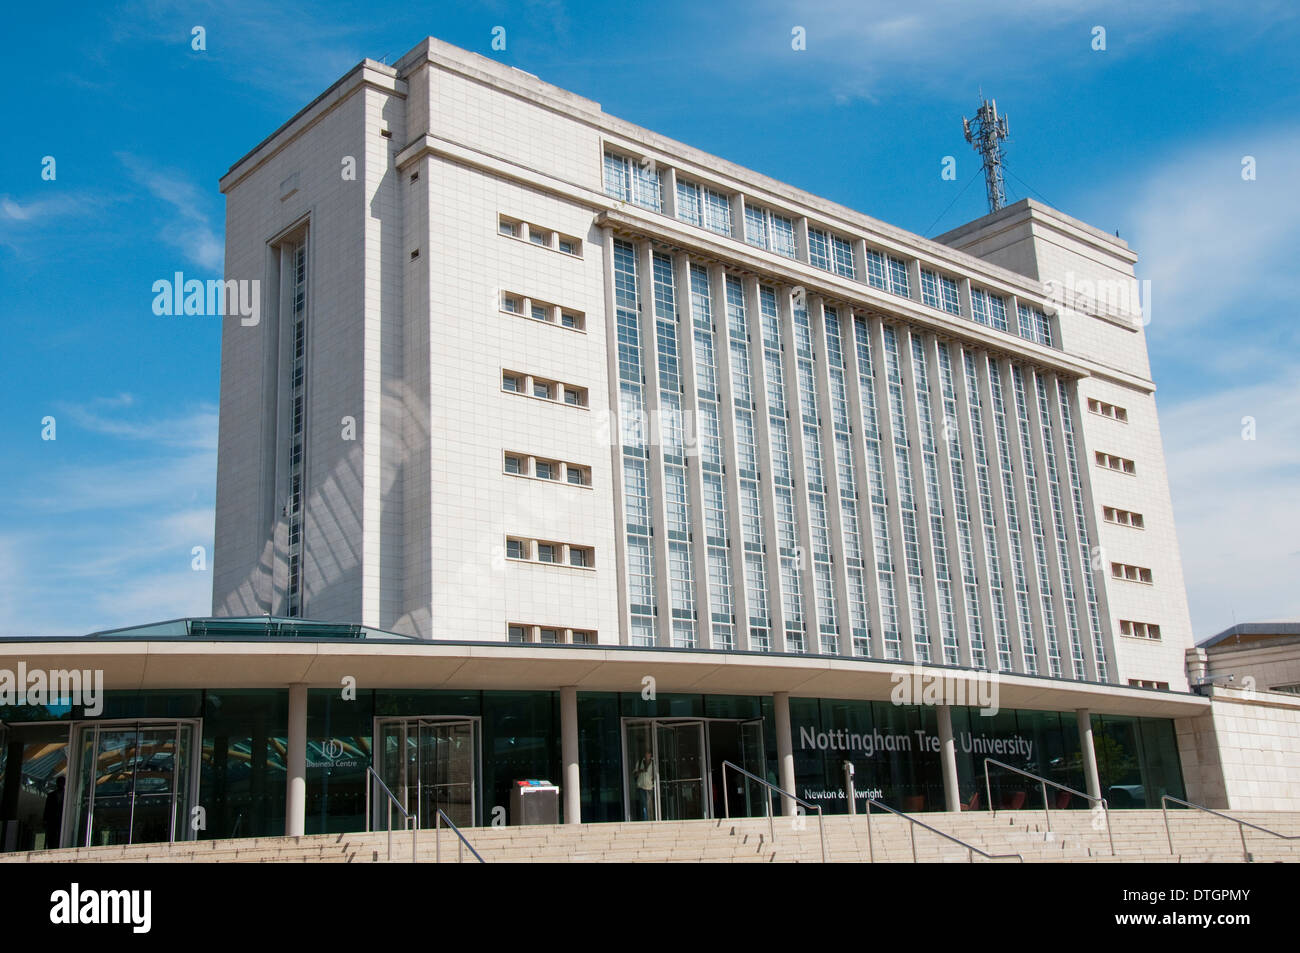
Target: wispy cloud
197	430
868	49
247	40
1236	504
24	221
1215	246
1220	252
117	531
188	227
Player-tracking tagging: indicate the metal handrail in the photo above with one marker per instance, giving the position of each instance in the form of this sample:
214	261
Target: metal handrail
971	849
771	823
439	817
392	799
1241	825
1047	812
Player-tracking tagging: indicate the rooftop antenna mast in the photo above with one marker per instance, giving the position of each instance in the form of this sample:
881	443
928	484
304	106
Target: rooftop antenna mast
985	133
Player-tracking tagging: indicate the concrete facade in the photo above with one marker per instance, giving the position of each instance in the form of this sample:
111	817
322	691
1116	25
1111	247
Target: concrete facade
1244	752
405	523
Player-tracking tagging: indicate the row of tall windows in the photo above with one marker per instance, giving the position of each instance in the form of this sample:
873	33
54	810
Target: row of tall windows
967	454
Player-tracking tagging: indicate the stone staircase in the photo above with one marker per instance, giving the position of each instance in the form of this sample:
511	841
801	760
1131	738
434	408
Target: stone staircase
1139	837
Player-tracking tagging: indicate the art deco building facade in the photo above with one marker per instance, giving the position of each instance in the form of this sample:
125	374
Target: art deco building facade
564	444
530	372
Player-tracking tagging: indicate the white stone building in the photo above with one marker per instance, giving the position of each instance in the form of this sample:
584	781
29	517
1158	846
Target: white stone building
817	432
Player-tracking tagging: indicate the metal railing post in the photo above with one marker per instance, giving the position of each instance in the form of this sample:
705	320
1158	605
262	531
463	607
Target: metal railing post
971	849
1241	825
374	778
771	820
1043	783
1164	809
871	847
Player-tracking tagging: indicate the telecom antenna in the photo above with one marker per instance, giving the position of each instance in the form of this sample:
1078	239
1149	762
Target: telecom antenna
985	133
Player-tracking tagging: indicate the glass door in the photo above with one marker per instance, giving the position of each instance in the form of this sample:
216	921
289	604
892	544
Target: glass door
642	784
132	782
683	788
753	758
429	764
446	754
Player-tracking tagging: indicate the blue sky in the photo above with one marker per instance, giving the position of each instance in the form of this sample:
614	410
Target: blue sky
98	526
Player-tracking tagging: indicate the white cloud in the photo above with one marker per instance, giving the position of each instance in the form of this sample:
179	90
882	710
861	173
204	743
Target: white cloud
1220	254
195	430
99	543
1218	248
1236	503
867	49
188	228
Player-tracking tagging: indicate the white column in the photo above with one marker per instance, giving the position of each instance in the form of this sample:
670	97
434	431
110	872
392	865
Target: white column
1091	778
295	785
570	784
948	757
624	627
784	750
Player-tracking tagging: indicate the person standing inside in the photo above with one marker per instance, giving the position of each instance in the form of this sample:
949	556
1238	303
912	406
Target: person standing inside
644	776
54	815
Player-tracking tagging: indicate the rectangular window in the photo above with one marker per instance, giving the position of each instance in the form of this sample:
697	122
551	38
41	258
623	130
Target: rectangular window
568	245
512	304
583	638
548	636
515	464
819	249
1130	573
517	633
898	282
703	207
579	557
575	396
1118	464
830	252
1122	517
940	292
876	269
539	236
508	227
546	470
988	309
1103	409
516	549
633	180
1139	630
543	390
571	319
842	249
766	229
541	312
546	552
579	476
512	382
